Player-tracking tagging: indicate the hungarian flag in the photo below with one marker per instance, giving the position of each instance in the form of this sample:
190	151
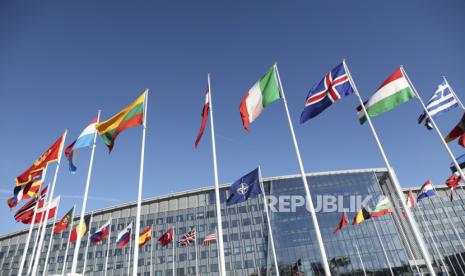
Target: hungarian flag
394	91
166	238
265	91
382	208
80	230
145	236
343	222
131	116
85	139
361	216
49	156
205	110
456	132
64	222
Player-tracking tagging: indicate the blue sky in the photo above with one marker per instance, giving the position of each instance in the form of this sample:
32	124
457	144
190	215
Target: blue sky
62	61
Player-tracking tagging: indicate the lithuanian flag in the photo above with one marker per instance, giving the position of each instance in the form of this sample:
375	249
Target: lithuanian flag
131	116
361	216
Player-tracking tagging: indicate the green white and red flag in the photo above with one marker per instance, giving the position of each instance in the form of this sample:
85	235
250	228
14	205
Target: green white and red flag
382	208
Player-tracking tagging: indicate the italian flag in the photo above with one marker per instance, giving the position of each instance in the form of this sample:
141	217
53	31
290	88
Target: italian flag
382	208
393	92
265	91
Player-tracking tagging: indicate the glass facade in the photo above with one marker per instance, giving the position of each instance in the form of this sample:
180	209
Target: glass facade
246	235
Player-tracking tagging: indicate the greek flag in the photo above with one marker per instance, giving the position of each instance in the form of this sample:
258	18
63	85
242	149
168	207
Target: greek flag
442	101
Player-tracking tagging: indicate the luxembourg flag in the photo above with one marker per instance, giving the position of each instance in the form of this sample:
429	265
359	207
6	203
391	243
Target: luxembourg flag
101	233
124	237
85	139
426	190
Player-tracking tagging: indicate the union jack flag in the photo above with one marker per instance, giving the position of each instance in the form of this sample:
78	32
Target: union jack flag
330	89
187	238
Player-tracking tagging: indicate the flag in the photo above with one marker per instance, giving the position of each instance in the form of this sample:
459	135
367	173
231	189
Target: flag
124	237
246	187
27	211
330	89
453	182
101	233
26	191
209	238
460	160
361	216
442	101
42	212
166	238
382	208
64	222
394	91
145	236
265	91
343	222
410	200
426	190
205	110
49	156
456	132
188	238
80	230
85	139
131	116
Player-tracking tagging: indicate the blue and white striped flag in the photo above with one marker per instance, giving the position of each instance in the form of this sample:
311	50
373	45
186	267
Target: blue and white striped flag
442	101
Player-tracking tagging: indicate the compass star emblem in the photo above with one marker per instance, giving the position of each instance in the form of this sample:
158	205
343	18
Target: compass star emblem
243	189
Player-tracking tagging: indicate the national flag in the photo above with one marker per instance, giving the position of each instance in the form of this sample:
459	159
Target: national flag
187	238
244	188
394	91
101	233
382	208
426	190
205	110
456	132
131	116
51	208
124	236
361	216
166	238
453	182
460	160
64	222
26	212
442	101
265	91
330	89
209	238
410	200
85	139
28	190
80	230
49	156
343	222
145	236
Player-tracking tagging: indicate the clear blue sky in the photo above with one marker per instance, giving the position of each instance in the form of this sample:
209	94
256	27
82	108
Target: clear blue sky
61	61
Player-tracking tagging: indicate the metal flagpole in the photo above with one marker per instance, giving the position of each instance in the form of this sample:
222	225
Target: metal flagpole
196	256
84	199
173	252
31	227
67	244
129	253
50	242
453	93
87	245
304	180
151	251
50	199
222	266
360	259
265	203
108	251
139	193
382	247
395	181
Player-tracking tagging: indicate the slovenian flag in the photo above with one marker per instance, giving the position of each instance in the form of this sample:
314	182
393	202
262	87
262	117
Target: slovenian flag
84	140
101	233
124	237
427	190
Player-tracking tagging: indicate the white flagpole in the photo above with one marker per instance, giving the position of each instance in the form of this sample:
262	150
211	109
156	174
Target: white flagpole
31	227
151	251
382	247
50	242
453	93
174	273
50	199
222	266
196	256
319	237
84	199
129	255
265	203
87	245
360	259
139	193
395	181
409	249
108	251
63	270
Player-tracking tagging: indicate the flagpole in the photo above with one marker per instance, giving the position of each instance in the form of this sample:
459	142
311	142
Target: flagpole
139	193
360	259
50	242
31	227
67	244
108	251
84	199
406	242
265	203
453	93
319	237
173	251
196	256
129	253
382	247
395	181
222	266
151	251
50	199
87	245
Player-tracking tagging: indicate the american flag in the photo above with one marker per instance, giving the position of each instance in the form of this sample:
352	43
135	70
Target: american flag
188	238
209	238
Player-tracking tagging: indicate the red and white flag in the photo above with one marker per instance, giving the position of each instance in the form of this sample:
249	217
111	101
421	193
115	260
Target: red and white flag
205	110
209	238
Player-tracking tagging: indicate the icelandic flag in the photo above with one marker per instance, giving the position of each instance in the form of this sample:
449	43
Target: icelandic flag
246	187
85	139
331	88
442	101
124	237
101	233
426	190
